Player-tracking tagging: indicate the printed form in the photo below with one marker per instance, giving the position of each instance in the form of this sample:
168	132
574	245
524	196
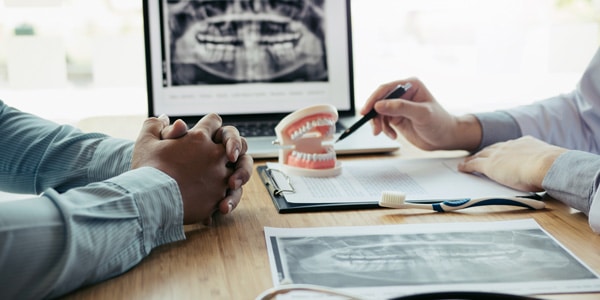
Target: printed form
365	180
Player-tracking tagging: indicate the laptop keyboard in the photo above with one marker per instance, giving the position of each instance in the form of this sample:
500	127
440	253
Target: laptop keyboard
265	128
251	129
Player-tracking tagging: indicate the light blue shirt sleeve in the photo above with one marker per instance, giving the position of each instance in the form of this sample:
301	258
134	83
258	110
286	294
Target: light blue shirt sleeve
574	178
94	218
37	154
571	121
497	127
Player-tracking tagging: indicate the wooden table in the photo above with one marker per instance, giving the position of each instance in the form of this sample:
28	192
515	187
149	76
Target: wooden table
229	259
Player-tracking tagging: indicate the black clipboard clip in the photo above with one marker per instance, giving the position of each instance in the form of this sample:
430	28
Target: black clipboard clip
271	180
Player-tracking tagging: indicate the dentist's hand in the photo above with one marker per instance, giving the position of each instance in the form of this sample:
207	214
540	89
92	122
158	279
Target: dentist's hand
521	164
421	119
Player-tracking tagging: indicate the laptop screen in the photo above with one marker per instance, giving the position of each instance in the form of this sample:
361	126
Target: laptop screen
247	57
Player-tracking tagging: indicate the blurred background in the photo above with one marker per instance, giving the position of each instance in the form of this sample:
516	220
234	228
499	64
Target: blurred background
71	60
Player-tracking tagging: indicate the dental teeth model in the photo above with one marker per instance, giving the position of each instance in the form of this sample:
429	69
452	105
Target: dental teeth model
303	136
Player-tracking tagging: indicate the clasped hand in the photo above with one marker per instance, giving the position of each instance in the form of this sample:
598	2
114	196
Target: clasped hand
209	162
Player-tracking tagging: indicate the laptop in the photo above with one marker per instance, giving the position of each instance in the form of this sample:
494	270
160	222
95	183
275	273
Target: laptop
253	63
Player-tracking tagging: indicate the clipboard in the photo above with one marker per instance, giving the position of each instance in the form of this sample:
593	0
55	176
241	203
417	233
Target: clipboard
277	194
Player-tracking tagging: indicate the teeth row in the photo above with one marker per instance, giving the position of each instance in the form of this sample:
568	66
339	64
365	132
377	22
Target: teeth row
330	155
315	123
214	52
291	38
433	254
218	38
227	18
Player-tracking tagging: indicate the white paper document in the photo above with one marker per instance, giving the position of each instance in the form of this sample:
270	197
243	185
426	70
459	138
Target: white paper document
383	262
365	180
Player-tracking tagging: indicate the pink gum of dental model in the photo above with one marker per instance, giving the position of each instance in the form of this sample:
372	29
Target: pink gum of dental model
301	136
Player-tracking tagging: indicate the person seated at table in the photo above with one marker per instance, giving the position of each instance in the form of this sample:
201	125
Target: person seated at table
104	203
551	145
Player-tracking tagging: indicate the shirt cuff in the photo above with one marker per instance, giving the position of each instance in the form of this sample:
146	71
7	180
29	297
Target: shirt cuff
111	158
574	186
497	127
160	204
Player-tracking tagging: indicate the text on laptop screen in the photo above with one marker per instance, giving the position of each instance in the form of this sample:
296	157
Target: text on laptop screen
247	56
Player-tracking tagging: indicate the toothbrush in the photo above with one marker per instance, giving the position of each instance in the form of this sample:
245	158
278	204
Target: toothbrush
397	200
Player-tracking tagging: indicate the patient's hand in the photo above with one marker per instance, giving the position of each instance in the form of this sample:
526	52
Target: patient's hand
200	160
236	148
172	131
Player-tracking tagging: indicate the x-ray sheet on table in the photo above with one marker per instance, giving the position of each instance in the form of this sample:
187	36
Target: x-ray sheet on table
379	262
365	180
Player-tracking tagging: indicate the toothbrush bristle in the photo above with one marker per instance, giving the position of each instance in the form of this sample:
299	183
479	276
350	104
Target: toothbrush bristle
391	199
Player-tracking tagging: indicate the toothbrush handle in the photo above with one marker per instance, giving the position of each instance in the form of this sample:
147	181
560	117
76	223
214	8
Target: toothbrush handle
451	205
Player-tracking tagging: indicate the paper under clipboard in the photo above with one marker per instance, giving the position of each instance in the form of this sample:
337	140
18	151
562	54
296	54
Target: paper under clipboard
362	181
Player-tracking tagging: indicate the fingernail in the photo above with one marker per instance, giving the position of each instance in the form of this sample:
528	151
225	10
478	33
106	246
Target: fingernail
163	118
230	207
236	154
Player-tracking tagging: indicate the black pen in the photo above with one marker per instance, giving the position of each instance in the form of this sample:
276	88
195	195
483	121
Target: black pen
395	93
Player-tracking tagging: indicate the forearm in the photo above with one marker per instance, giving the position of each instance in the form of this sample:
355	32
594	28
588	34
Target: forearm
573	178
38	154
568	120
82	163
496	127
467	134
59	242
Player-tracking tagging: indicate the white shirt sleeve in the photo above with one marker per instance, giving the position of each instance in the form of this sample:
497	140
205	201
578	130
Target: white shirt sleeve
571	121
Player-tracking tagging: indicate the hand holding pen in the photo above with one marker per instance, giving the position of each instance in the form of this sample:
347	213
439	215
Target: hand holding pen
421	120
397	92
